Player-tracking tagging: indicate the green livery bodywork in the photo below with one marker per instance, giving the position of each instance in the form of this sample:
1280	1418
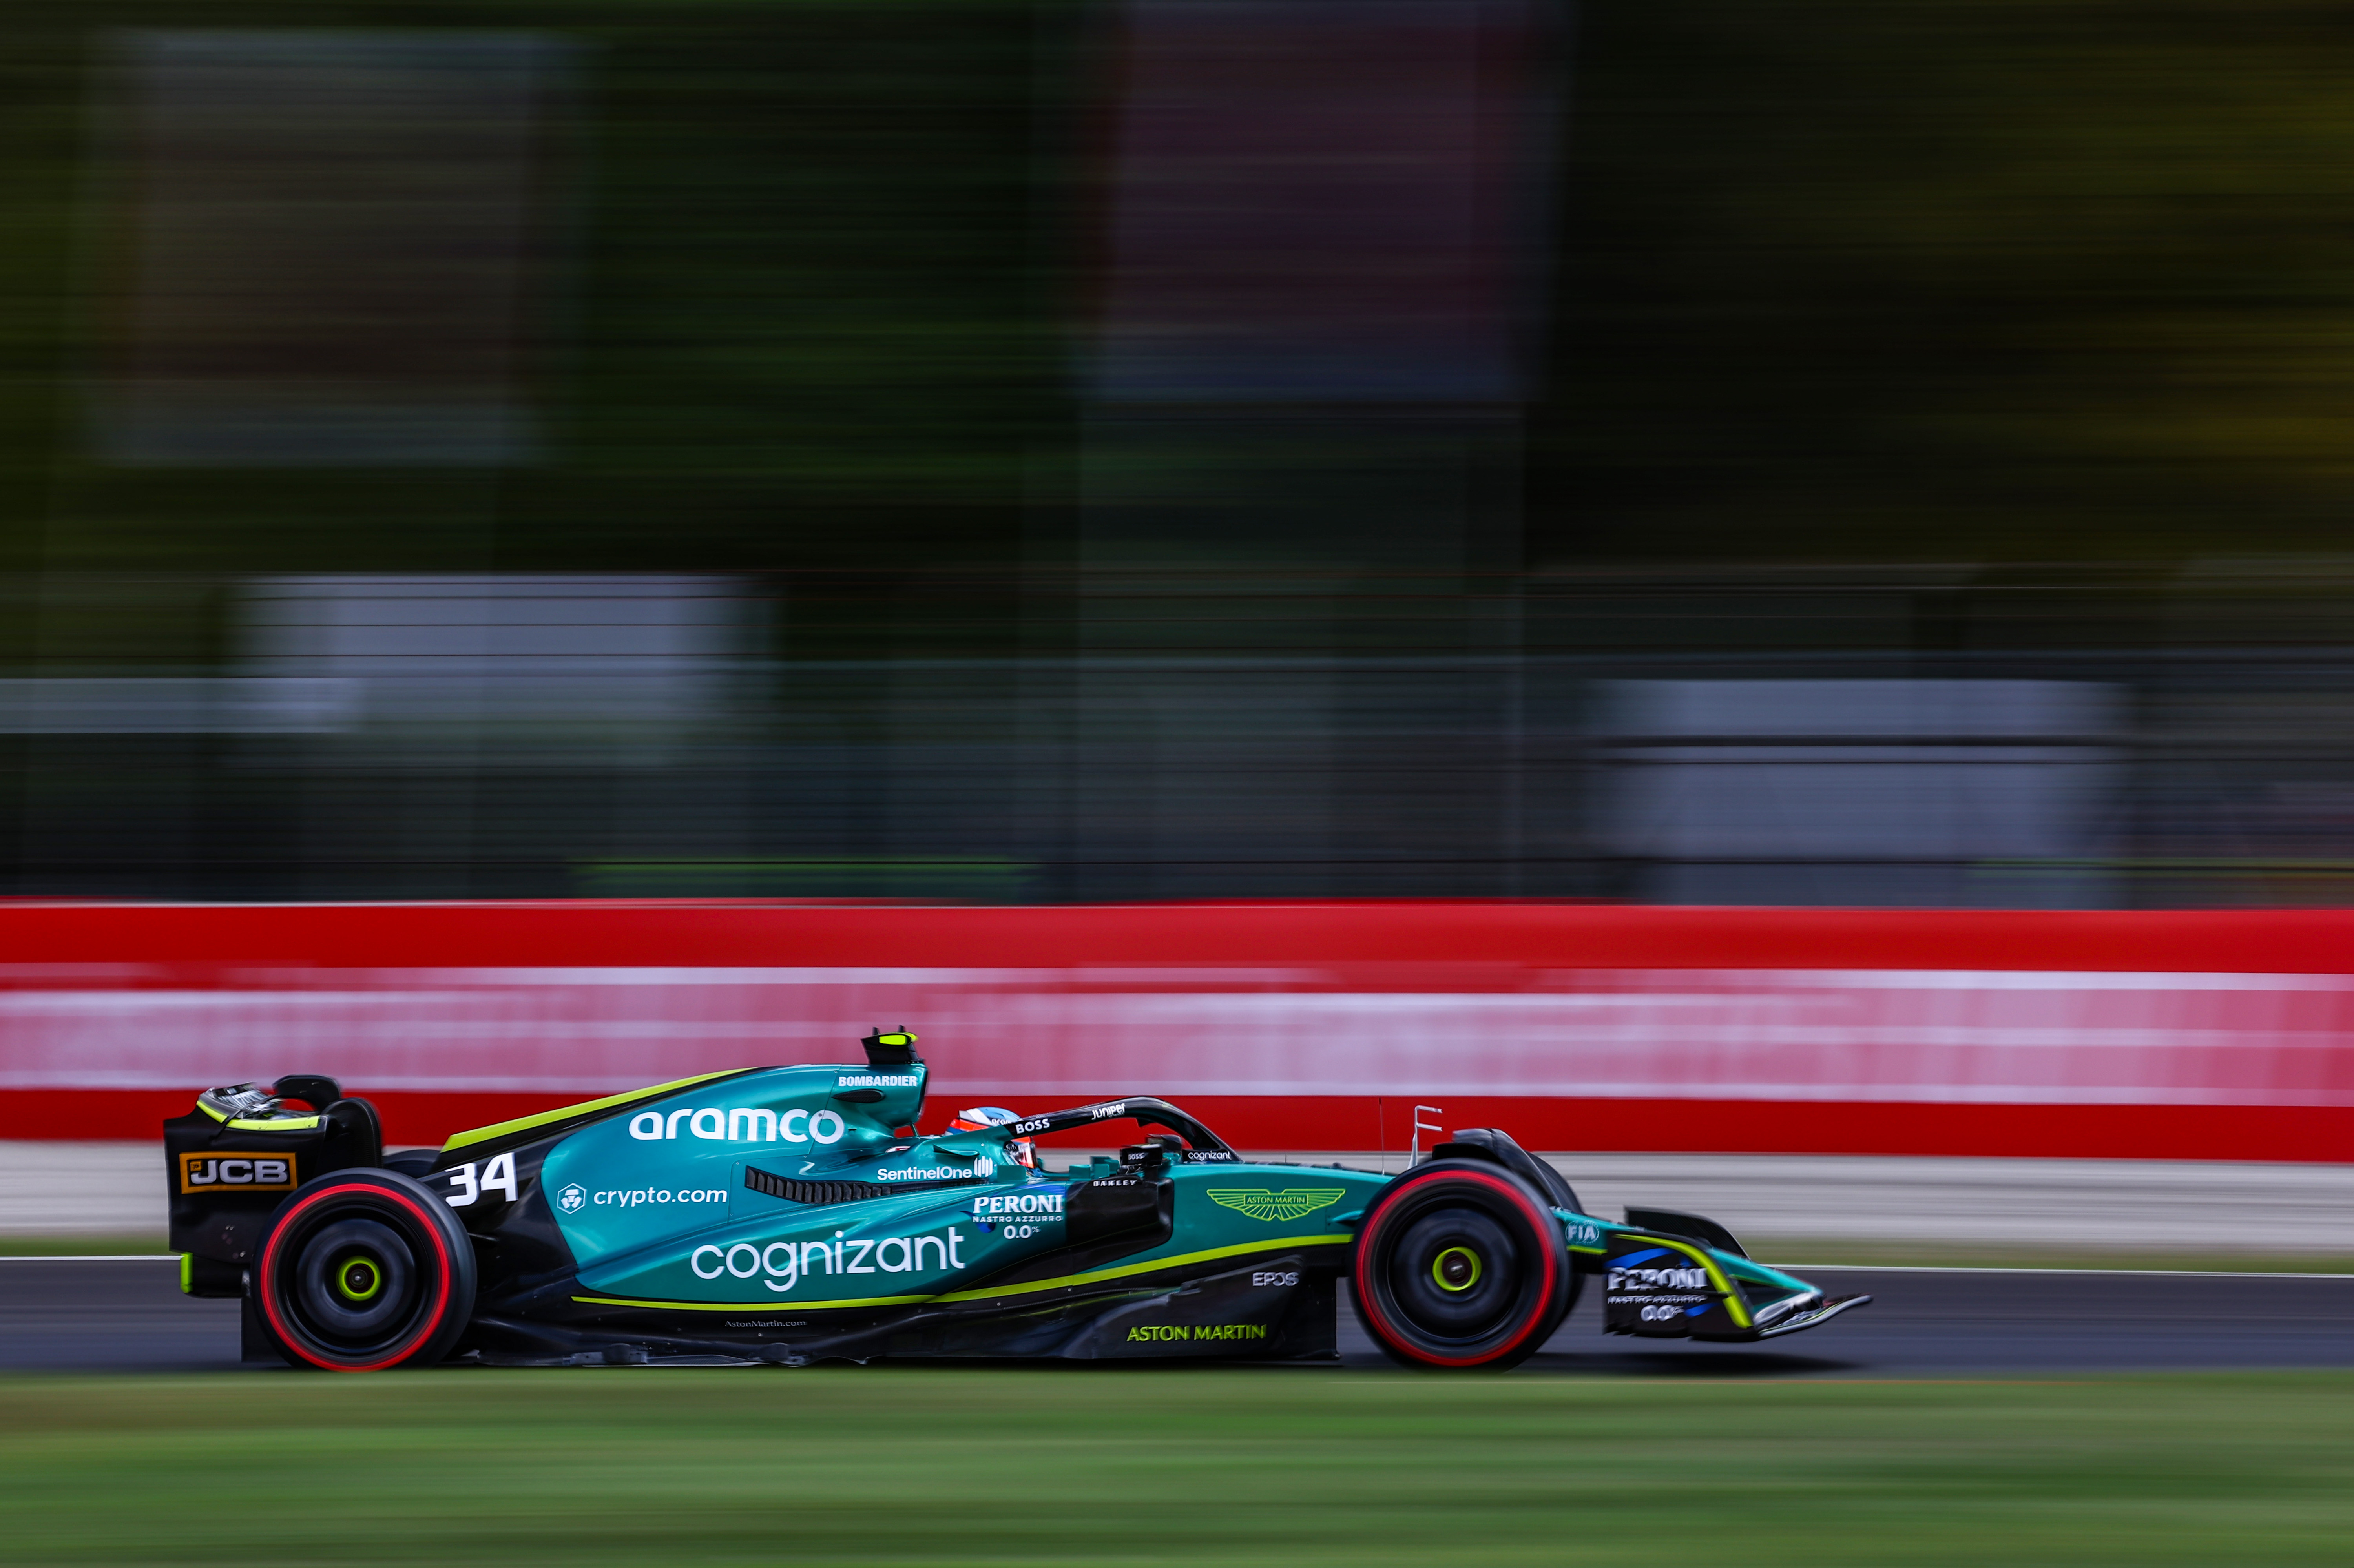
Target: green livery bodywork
656	1209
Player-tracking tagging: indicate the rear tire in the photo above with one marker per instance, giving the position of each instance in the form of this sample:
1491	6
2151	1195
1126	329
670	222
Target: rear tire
362	1270
1460	1264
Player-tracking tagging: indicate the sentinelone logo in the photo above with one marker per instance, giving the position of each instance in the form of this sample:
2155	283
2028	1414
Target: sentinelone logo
242	1171
982	1170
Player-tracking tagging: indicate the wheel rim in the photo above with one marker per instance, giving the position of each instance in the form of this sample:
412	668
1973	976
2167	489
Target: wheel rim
1454	1275
1457	1269
358	1278
352	1285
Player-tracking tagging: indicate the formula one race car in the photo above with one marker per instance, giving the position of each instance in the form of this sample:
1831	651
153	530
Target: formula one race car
789	1215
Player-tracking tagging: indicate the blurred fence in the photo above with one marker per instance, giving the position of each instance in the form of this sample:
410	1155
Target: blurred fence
2158	1036
451	735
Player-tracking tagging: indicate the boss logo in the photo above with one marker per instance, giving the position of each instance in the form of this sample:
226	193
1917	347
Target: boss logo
249	1172
1276	1276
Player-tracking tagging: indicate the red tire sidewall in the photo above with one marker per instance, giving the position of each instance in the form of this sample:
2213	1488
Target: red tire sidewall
1551	1281
267	1276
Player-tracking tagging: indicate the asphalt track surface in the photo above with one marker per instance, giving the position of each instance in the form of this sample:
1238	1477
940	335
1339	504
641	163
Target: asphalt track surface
128	1314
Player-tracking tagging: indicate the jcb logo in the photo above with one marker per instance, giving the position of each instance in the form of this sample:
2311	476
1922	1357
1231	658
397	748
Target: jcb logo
244	1173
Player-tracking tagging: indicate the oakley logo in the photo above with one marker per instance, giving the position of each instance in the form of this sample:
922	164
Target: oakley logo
245	1172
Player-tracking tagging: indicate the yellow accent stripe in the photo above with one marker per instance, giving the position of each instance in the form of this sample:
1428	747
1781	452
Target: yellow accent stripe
525	1123
781	1304
1277	1243
216	1116
774	1305
277	1124
1732	1302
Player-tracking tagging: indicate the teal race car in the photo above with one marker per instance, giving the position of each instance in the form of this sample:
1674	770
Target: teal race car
791	1214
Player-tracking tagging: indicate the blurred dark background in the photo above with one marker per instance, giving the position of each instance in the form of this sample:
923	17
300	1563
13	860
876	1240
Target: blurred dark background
1888	454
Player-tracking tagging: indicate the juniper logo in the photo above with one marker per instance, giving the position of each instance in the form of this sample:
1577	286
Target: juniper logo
1291	1204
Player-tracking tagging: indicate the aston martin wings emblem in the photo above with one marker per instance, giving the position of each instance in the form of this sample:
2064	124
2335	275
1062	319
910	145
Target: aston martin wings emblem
1288	1204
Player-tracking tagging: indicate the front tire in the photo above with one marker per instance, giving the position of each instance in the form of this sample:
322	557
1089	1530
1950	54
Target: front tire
1460	1264
363	1270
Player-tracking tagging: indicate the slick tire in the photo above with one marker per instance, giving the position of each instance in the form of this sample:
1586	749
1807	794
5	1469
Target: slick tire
362	1270
1460	1264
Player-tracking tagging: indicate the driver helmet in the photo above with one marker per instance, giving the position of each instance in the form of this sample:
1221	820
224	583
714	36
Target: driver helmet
976	1117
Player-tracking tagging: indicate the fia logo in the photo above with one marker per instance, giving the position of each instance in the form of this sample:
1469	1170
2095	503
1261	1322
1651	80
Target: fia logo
573	1198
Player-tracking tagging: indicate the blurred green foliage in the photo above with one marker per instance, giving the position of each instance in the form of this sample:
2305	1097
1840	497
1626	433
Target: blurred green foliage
1981	281
1273	1466
795	326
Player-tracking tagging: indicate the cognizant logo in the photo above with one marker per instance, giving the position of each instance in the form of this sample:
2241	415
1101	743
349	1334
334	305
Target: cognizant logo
788	1263
744	1124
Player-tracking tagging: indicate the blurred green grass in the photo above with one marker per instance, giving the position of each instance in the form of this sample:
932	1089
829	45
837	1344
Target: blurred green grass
143	1243
1276	1466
